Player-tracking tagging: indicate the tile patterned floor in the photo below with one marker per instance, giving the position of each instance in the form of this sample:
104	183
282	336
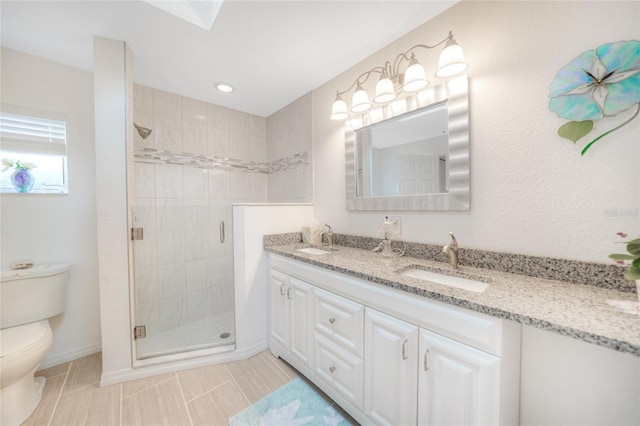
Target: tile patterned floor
201	396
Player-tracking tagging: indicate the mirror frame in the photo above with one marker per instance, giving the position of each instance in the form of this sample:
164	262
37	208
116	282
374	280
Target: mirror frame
456	93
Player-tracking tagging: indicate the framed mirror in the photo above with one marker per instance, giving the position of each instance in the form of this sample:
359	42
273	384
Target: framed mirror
412	154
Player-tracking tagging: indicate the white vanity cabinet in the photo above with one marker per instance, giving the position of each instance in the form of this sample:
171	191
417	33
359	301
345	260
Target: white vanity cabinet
340	320
390	357
339	369
458	385
391	369
339	344
291	316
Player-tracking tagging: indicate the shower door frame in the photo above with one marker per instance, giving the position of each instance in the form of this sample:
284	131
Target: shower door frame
225	236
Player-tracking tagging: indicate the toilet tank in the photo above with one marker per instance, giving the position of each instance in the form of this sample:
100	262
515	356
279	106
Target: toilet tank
33	294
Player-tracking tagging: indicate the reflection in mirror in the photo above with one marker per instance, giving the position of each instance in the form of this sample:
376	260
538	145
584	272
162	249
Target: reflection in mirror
406	155
411	154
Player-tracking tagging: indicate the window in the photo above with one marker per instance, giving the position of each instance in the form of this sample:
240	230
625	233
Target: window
37	140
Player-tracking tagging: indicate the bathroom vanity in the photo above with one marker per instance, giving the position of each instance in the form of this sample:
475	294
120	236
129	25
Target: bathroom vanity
392	346
390	357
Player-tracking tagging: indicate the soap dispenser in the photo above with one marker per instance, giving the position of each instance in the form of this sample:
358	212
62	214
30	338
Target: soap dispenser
388	230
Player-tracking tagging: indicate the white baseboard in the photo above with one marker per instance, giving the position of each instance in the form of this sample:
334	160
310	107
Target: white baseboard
127	374
60	358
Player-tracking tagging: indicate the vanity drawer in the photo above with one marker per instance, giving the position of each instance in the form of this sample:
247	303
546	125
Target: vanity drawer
340	369
341	320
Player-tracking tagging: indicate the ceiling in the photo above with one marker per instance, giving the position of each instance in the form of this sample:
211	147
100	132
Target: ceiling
272	52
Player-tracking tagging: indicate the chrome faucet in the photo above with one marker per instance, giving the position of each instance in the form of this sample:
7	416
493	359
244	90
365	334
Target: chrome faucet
329	234
452	250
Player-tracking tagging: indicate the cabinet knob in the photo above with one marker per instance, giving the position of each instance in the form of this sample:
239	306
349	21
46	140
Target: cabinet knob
404	349
282	289
332	369
332	320
426	360
289	293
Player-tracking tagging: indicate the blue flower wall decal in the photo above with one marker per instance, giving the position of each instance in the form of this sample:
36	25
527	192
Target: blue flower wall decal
599	83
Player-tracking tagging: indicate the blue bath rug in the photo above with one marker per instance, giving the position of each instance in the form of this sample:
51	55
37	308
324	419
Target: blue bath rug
295	403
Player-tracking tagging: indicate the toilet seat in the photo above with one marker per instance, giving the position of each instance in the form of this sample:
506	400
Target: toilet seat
23	338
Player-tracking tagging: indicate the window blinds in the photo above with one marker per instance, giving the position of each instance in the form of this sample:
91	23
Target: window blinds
31	134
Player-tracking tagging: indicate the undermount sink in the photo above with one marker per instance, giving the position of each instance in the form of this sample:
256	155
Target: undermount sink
315	251
457	279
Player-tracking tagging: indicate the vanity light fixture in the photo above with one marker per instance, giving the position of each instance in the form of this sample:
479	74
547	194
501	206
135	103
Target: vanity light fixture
393	80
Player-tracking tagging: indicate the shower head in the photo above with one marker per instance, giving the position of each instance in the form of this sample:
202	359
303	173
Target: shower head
142	131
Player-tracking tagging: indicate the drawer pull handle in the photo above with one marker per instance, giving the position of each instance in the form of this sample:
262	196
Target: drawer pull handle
426	360
404	349
282	289
332	320
332	369
289	293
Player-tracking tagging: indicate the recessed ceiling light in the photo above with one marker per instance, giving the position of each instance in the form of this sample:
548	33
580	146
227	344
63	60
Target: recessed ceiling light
224	87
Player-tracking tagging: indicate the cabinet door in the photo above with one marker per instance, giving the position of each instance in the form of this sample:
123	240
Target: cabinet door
279	308
458	385
299	298
391	369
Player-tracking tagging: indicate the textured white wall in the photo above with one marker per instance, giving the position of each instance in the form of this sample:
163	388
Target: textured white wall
58	228
532	193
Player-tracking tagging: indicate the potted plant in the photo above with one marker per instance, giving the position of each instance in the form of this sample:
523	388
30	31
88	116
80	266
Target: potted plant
21	178
633	256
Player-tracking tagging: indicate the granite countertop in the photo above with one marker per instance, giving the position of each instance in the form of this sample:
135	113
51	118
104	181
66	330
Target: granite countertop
577	310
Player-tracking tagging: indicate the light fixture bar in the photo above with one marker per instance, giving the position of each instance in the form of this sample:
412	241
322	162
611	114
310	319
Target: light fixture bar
393	81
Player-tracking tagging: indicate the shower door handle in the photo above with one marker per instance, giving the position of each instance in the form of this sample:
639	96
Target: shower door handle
222	231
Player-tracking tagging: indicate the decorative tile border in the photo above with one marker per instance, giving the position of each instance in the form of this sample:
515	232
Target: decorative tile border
572	271
288	163
154	156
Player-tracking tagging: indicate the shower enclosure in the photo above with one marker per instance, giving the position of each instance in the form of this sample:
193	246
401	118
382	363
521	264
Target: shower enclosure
183	262
191	160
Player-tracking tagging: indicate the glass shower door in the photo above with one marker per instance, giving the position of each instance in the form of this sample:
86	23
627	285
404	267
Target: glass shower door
183	283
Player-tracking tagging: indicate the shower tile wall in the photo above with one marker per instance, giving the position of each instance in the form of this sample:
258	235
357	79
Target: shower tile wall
289	138
197	161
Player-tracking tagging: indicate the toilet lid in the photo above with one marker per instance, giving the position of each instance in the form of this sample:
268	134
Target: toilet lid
42	270
19	338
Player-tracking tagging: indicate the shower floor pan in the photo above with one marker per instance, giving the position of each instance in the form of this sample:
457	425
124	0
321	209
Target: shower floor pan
210	332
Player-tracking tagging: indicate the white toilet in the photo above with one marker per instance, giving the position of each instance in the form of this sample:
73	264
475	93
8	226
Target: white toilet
28	297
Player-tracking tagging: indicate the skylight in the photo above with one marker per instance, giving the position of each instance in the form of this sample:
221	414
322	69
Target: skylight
201	13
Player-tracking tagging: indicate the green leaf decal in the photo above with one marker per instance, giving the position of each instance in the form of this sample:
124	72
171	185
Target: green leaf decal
621	257
632	274
634	247
574	130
